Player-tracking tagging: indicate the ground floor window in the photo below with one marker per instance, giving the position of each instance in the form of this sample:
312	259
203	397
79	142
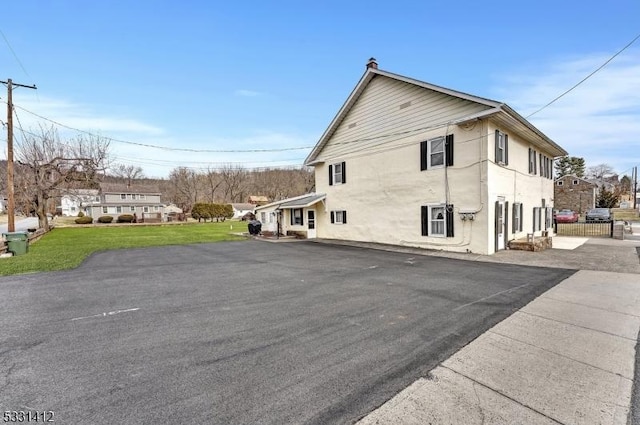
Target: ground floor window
517	217
437	220
296	217
339	217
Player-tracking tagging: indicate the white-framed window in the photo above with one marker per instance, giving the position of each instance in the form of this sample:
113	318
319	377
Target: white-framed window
132	208
156	208
73	209
560	183
436	152
123	196
501	148
128	196
437	220
296	217
105	210
339	217
119	210
517	217
134	196
145	209
532	162
142	196
263	217
97	199
337	173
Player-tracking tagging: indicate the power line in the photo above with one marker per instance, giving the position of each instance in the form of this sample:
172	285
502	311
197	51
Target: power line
15	55
165	148
587	77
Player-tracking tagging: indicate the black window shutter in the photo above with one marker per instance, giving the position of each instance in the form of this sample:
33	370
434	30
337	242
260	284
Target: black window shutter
449	219
449	150
513	221
506	223
301	216
425	220
530	164
423	156
344	217
535	164
497	153
541	165
330	175
344	172
333	217
506	149
291	217
521	211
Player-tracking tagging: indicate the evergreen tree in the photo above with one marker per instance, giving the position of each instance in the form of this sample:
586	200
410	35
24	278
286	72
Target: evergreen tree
570	165
606	198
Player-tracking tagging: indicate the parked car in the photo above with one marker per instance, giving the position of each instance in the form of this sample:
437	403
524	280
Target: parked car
598	214
566	216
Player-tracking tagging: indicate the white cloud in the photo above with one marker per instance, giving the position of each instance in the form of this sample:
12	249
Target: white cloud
79	116
598	120
247	93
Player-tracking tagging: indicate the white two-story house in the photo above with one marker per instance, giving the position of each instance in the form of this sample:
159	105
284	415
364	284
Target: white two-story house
410	163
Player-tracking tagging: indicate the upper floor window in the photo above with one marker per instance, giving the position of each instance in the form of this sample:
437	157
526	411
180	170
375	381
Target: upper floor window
502	148
123	196
532	162
339	217
560	183
337	173
575	182
435	153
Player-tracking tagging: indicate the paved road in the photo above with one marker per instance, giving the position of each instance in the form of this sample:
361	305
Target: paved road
21	224
243	332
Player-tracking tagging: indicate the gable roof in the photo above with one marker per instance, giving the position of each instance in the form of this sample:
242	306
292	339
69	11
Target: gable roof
504	114
574	177
124	188
243	206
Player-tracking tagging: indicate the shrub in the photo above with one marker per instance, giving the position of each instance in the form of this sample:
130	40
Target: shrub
80	214
85	219
125	218
105	219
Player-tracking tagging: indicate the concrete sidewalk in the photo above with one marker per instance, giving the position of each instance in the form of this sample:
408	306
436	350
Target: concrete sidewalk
565	358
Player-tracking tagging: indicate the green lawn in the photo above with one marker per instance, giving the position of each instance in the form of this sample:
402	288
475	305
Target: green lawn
66	248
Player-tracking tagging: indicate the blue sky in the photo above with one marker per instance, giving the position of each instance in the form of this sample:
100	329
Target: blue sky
268	75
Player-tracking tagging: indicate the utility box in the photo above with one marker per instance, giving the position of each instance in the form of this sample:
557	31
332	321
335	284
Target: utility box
17	242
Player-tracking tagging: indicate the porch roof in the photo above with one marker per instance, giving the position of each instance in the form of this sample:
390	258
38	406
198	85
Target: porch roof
307	201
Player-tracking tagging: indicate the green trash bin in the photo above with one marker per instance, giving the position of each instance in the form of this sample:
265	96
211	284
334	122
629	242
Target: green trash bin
17	242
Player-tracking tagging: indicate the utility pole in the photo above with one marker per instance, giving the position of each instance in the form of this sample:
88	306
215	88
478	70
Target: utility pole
635	188
11	207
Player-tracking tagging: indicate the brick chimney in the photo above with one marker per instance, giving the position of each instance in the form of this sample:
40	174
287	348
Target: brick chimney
372	63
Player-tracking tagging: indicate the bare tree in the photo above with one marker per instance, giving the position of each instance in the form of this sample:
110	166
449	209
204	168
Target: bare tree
234	178
50	164
213	181
184	188
127	173
600	171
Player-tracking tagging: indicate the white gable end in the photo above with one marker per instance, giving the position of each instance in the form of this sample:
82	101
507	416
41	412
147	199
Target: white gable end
388	110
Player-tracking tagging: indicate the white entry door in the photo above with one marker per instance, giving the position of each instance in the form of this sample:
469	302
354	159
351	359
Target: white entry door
311	224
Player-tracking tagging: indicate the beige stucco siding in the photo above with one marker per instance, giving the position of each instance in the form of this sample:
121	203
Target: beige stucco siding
514	183
385	190
388	109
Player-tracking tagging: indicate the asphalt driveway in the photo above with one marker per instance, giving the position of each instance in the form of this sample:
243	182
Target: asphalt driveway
243	332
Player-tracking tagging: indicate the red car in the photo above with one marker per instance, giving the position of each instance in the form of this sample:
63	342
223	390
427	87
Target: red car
566	216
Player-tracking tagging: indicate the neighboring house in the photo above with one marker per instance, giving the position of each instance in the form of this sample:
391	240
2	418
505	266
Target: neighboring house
3	204
295	215
74	201
239	210
574	193
171	212
258	200
141	200
410	163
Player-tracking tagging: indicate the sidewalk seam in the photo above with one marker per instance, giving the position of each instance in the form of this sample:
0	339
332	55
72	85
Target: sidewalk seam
573	324
563	356
591	306
504	395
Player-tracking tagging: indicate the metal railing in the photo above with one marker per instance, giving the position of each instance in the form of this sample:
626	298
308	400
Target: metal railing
586	229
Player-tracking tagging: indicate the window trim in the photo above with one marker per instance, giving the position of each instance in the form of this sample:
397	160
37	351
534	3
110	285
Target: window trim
335	214
293	219
501	153
427	220
333	174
